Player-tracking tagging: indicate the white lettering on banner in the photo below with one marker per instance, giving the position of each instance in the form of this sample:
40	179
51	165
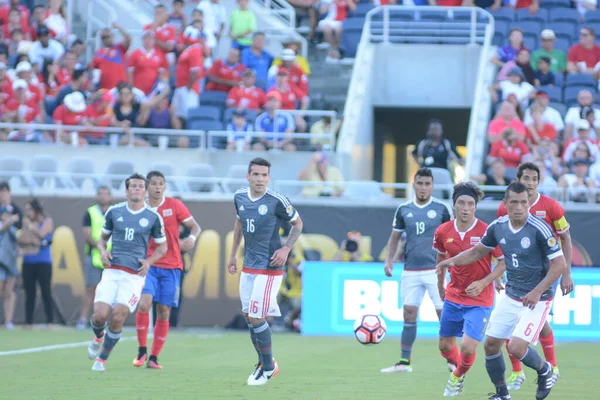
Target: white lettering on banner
367	296
580	302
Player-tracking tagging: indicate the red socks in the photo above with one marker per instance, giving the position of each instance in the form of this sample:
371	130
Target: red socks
547	343
452	356
160	336
142	321
464	364
516	363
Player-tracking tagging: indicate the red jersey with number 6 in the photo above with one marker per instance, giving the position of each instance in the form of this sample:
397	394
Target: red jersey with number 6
449	241
174	213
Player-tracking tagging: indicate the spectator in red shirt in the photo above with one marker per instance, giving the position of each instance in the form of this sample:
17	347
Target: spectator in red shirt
165	34
110	60
187	80
15	22
584	56
539	129
36	93
505	118
336	11
510	149
37	19
225	74
246	95
23	10
20	108
5	85
72	112
297	76
290	95
147	65
64	74
99	113
533	5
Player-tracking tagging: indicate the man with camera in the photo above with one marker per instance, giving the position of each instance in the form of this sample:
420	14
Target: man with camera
350	249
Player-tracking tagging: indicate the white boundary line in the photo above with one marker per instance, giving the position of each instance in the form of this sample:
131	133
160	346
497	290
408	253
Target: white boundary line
84	344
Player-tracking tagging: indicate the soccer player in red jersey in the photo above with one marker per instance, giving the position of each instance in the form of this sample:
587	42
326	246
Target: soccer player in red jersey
553	214
469	297
163	279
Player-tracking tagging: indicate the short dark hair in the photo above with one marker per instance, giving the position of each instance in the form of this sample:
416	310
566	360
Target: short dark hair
76	41
78	73
102	187
465	188
177	1
160	5
434	121
4	186
135	176
514	187
155	173
528	165
424	172
36	206
258	33
260	162
590	30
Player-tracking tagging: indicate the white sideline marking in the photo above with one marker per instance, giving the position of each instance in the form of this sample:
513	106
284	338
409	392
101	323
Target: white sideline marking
83	344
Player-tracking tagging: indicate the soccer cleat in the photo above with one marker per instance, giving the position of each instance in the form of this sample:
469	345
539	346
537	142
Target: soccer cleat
94	347
515	381
498	397
545	382
556	373
451	367
139	360
263	377
402	366
454	387
9	325
153	365
99	365
253	375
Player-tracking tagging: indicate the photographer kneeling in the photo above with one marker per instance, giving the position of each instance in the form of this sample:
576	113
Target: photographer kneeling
350	249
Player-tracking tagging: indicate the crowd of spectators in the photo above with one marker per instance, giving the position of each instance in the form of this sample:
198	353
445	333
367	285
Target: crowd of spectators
45	79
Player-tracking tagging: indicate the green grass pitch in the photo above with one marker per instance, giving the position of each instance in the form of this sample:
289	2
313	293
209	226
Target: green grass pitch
212	365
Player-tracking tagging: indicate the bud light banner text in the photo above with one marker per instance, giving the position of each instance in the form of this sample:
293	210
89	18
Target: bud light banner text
336	293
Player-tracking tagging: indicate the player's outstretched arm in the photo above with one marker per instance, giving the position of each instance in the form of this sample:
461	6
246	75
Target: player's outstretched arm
566	281
392	247
465	258
558	265
237	240
104	254
475	288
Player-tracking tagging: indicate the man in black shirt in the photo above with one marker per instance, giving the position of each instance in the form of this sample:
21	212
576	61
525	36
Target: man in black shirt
10	223
435	151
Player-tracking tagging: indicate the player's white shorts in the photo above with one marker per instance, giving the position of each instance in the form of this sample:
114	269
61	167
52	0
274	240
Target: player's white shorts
183	100
119	287
511	318
259	294
414	284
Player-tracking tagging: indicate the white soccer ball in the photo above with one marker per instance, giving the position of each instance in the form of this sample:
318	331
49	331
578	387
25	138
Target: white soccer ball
370	329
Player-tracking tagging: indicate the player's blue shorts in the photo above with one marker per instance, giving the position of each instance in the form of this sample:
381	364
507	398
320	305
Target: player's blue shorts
457	319
164	285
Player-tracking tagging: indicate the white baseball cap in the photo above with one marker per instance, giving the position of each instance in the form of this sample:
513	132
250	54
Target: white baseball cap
583	124
20	84
547	34
23	66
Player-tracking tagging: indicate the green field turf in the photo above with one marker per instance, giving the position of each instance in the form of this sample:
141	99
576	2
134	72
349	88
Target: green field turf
211	365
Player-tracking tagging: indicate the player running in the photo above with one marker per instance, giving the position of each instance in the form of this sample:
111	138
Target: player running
553	214
463	315
130	225
534	261
419	218
260	212
164	277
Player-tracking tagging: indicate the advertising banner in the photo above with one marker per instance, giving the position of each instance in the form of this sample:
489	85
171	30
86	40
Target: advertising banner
336	293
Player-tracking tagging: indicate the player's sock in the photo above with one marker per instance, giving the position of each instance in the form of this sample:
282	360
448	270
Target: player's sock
464	364
98	330
496	368
109	343
409	334
516	364
547	343
254	342
142	321
263	339
452	356
161	330
534	361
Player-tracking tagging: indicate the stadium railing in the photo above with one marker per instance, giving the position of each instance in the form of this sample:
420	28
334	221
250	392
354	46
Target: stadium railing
302	140
281	10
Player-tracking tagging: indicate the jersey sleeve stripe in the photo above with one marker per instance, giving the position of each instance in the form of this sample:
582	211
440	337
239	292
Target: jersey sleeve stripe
487	247
541	227
188	219
555	255
281	198
439	252
397	230
106	231
160	240
450	211
500	257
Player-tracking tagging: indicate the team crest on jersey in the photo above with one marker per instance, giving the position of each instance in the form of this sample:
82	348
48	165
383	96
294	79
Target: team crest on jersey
449	240
431	214
551	242
525	242
540	214
289	209
262	210
167	213
474	240
143	222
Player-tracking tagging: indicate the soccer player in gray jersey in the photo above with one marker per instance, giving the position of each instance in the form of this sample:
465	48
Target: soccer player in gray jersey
419	219
534	261
130	225
260	212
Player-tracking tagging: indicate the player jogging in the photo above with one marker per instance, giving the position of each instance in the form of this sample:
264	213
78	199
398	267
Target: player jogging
260	212
130	225
548	210
419	218
463	315
534	261
164	277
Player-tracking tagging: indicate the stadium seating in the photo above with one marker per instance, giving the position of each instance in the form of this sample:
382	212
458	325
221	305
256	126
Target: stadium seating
41	169
79	170
369	190
199	171
117	172
204	113
213	98
11	168
237	176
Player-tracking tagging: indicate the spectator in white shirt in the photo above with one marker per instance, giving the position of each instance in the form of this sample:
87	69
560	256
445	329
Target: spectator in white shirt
45	48
214	16
583	138
584	99
584	6
549	115
515	84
